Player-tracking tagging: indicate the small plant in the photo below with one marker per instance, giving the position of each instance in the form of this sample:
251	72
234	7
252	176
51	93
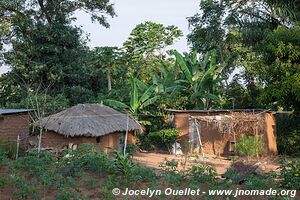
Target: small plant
140	173
250	145
202	173
258	182
290	174
123	165
169	165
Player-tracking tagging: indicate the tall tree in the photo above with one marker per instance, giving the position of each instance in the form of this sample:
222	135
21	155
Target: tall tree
146	46
41	45
107	59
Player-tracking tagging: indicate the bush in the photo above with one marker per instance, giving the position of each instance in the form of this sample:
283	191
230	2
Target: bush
123	165
144	142
290	174
85	157
202	173
250	145
164	138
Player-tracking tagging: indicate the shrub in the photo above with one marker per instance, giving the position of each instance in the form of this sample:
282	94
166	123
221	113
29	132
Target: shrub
144	142
85	157
202	173
123	165
164	138
250	145
290	174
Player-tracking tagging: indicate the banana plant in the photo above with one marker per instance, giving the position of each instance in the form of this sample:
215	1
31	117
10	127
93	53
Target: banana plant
137	101
164	83
199	78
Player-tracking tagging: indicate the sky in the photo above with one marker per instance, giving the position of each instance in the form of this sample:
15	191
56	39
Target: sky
133	12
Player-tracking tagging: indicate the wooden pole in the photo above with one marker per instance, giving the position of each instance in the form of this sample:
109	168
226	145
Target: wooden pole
40	140
126	135
18	145
199	138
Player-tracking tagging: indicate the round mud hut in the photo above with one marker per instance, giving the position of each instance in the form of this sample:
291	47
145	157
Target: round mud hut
88	123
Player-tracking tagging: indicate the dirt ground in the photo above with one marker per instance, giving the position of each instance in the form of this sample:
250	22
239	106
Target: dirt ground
153	160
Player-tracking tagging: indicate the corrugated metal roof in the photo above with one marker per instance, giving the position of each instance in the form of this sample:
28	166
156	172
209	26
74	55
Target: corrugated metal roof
13	111
216	111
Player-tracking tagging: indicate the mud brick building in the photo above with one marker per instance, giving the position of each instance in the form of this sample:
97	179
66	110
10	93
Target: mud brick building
14	122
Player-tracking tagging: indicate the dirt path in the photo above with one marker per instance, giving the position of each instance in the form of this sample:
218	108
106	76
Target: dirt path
153	160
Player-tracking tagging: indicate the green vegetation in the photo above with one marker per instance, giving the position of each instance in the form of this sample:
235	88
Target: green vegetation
290	174
163	139
250	145
242	56
86	169
288	134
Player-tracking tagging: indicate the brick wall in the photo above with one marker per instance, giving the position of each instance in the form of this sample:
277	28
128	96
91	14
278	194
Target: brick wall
13	125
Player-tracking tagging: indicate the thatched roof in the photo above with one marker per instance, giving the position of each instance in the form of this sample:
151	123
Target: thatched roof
88	120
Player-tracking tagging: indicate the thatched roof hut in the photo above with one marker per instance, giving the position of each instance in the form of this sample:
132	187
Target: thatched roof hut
88	120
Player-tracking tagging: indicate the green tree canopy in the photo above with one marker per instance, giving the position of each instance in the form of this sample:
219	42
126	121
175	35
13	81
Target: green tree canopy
42	47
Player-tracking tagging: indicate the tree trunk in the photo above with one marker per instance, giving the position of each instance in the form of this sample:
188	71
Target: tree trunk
108	77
